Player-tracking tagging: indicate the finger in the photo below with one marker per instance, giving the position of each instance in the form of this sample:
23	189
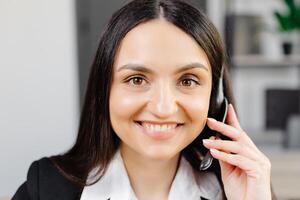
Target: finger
231	118
231	147
224	129
212	137
226	168
249	166
231	132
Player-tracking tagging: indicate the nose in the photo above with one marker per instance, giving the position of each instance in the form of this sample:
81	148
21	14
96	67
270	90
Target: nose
163	103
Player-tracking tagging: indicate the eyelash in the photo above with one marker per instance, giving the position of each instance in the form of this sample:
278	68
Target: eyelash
142	77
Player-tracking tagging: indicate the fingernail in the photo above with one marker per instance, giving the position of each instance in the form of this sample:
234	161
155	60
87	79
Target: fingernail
214	150
211	119
212	137
207	141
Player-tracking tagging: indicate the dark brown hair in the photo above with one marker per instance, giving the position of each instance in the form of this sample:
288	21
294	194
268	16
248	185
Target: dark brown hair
96	141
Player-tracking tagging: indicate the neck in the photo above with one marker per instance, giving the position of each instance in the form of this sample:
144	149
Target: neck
150	179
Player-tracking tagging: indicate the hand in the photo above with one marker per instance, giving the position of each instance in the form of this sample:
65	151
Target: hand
245	170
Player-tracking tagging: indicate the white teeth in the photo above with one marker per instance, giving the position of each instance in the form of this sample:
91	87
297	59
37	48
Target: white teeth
159	128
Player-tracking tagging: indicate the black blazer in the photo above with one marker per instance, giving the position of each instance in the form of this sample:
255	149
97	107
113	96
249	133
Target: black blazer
44	182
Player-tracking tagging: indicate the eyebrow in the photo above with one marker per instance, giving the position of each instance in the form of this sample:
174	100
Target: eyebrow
141	68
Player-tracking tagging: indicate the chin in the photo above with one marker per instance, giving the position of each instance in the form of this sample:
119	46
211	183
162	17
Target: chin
159	154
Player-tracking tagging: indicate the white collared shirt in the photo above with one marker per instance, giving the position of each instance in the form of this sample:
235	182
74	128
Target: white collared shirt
187	184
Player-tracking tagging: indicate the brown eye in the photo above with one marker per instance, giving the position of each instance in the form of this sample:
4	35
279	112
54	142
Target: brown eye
189	82
136	81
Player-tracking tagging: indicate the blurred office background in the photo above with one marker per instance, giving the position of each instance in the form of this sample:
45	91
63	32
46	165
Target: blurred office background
47	47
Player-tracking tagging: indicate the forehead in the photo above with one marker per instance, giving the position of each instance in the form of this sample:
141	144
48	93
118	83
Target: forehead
159	43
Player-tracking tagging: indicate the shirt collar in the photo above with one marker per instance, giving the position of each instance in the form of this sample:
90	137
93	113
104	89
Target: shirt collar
115	184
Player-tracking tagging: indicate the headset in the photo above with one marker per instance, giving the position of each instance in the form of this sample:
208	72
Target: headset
220	104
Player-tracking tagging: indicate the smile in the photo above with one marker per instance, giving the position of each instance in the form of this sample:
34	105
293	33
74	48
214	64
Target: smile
158	131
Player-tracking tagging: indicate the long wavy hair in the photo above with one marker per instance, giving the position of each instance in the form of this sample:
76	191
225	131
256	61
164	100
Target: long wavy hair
96	141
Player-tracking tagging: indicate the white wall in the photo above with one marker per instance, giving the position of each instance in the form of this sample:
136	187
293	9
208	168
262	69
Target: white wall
38	84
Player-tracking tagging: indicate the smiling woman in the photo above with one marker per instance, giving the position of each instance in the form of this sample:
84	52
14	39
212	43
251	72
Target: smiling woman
162	95
154	82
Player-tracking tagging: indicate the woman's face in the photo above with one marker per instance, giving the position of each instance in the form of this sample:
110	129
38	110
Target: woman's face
160	77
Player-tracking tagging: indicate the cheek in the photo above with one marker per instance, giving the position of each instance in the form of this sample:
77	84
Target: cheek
196	105
123	106
196	109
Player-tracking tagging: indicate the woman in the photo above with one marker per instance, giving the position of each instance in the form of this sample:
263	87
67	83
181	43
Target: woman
153	83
